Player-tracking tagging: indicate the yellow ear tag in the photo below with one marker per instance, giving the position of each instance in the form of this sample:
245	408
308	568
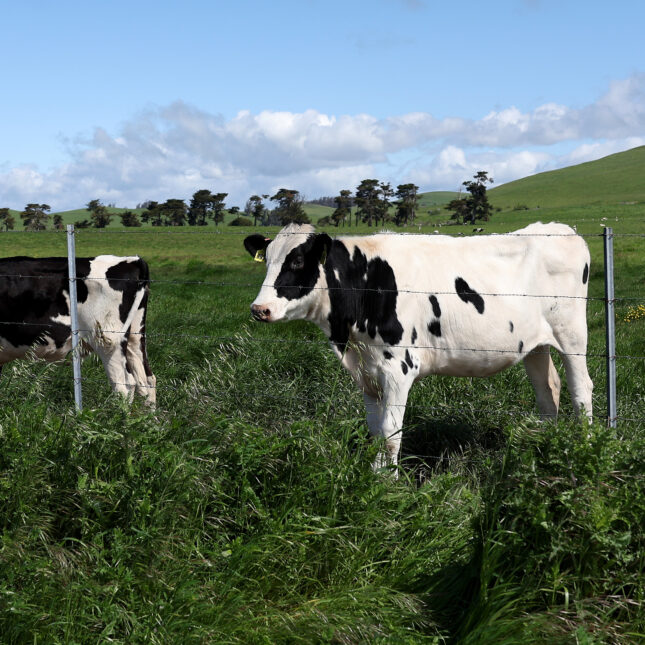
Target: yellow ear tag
259	256
323	257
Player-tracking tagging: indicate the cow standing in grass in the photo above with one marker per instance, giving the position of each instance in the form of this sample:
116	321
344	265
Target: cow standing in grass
399	307
112	304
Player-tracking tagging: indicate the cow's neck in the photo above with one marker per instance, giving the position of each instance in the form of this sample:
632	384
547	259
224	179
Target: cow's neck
319	304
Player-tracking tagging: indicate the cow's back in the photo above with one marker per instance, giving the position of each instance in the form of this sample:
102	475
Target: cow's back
497	295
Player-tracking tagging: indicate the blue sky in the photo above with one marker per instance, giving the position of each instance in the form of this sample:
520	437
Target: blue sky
128	101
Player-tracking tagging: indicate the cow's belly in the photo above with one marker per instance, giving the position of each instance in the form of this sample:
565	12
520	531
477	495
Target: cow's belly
467	363
45	350
481	355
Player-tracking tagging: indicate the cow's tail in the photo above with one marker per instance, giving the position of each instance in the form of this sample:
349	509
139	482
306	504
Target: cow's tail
144	282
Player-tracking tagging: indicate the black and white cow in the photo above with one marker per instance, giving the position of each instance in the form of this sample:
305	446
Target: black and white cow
399	307
112	303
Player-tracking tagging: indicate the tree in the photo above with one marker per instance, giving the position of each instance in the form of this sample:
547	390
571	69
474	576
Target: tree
99	214
289	208
199	208
173	212
129	219
217	207
385	194
7	220
152	214
407	205
373	201
58	222
460	209
256	209
35	216
343	208
478	203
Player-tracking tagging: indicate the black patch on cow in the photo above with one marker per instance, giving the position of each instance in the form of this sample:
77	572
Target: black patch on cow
32	292
301	268
520	347
585	274
435	328
387	355
364	294
404	367
436	309
124	351
127	277
469	295
414	335
408	359
511	325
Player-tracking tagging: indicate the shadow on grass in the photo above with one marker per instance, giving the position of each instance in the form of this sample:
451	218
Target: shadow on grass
431	444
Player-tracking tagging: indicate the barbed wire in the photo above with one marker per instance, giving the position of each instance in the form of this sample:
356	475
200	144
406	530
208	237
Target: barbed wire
320	342
343	234
378	290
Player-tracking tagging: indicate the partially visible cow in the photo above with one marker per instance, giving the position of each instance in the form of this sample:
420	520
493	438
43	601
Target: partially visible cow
399	307
112	303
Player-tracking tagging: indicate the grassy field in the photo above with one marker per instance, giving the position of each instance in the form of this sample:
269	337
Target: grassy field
244	510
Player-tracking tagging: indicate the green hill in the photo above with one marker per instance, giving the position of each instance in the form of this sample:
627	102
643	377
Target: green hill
617	178
436	198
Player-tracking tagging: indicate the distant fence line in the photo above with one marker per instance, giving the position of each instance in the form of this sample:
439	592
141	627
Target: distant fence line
181	230
610	300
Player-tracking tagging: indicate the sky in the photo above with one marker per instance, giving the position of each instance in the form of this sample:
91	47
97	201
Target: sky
128	101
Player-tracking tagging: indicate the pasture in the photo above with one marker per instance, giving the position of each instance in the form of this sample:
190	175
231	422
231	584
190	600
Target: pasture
244	509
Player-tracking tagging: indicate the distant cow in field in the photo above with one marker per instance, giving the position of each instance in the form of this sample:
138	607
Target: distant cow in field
112	303
399	307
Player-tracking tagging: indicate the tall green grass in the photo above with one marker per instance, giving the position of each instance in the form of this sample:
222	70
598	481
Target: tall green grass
244	509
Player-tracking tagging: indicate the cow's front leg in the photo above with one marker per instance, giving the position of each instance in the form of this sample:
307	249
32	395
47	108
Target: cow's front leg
385	421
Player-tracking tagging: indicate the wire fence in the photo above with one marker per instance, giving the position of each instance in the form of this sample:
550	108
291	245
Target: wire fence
152	334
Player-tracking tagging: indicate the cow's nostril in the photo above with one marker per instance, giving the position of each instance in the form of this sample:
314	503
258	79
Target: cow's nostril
260	313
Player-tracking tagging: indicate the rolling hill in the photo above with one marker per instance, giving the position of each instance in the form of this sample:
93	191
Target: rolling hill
617	178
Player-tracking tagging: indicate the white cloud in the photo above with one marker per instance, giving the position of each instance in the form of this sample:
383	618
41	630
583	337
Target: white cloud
175	150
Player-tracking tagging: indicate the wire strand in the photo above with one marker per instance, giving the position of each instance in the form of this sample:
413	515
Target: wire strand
377	290
325	342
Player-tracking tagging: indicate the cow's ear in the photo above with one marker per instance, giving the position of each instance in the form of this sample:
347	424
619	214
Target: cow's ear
256	244
322	245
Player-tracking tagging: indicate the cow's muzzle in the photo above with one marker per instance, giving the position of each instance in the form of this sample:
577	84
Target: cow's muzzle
261	313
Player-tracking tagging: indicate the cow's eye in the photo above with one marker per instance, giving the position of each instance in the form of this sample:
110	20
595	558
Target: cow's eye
297	263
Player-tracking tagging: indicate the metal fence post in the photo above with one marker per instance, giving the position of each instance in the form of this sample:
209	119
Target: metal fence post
73	307
610	326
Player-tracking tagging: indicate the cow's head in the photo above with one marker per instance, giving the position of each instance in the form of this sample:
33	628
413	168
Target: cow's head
294	260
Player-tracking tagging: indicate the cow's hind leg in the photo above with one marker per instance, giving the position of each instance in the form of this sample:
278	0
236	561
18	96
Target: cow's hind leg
579	383
545	380
573	349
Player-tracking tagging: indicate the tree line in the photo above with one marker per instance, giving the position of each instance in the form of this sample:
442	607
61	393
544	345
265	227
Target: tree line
374	203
